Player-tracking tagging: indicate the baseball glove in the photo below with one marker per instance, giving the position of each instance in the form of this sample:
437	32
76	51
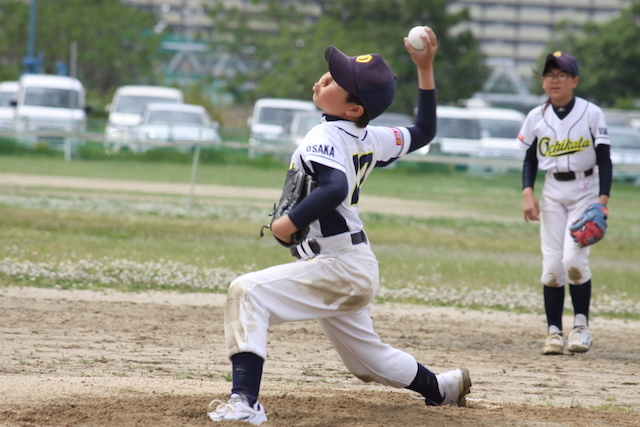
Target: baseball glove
591	226
297	185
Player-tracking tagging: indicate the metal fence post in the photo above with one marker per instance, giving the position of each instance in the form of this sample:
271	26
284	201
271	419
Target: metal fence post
194	171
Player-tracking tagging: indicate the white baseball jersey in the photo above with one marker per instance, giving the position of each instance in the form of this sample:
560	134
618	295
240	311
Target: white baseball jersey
568	144
565	145
355	151
336	286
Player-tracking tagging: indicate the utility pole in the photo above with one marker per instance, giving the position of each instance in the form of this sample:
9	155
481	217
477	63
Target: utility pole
30	62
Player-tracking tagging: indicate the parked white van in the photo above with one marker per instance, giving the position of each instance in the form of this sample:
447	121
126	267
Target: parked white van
458	132
499	132
49	109
270	124
126	108
478	132
8	93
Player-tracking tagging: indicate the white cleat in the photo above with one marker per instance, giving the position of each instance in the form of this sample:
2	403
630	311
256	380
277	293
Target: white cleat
580	340
554	344
236	409
454	386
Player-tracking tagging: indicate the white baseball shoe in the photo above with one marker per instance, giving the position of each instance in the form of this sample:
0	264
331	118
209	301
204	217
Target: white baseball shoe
580	340
454	386
554	344
237	409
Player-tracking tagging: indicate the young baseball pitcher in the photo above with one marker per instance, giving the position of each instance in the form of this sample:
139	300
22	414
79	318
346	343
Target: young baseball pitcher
336	276
567	138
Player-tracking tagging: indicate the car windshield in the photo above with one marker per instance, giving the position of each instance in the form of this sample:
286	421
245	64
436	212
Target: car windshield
497	128
135	104
176	118
306	123
276	116
5	98
450	127
54	98
627	140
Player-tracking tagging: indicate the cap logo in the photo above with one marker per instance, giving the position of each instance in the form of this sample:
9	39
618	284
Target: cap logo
557	54
364	59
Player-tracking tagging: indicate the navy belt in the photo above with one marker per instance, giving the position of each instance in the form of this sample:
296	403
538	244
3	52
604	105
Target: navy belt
570	176
356	239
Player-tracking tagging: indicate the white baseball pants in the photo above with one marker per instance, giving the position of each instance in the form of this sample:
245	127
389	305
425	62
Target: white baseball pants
336	289
562	202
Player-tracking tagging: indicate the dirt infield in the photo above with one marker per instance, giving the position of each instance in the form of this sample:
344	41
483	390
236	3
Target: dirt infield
81	358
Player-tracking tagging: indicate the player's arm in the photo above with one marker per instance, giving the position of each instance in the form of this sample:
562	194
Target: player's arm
282	228
605	171
425	127
603	155
332	188
530	205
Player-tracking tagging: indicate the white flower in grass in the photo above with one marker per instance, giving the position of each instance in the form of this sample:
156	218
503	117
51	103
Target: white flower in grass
119	271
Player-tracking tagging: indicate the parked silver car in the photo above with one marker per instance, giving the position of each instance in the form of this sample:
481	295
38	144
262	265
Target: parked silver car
127	106
173	125
270	125
8	93
625	152
301	123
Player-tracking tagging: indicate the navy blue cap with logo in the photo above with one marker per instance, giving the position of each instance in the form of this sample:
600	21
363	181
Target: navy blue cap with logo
562	60
368	77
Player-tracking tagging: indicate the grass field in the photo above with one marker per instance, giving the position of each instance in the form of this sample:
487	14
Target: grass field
480	254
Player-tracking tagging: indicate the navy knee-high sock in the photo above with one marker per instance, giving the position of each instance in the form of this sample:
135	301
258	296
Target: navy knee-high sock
247	374
426	384
581	298
554	305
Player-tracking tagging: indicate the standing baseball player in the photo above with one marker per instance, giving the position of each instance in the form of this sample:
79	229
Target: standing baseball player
567	138
336	276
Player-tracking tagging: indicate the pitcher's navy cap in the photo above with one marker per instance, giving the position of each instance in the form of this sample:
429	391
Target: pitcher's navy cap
564	61
368	77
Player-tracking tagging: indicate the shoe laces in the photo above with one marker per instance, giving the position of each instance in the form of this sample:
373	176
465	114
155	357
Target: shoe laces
218	404
423	398
555	339
555	336
224	407
579	331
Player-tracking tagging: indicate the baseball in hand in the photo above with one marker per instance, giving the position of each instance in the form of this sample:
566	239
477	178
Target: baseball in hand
414	37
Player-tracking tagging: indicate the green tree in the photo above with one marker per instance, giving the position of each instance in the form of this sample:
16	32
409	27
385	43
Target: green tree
115	42
608	55
13	37
286	51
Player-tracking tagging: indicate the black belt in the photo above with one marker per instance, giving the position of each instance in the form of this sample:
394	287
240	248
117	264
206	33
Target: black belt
359	237
570	176
356	239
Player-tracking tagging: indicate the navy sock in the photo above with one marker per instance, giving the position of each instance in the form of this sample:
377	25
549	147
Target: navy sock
247	374
426	384
581	298
554	305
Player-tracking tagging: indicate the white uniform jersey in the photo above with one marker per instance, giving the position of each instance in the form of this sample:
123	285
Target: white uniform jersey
355	151
568	144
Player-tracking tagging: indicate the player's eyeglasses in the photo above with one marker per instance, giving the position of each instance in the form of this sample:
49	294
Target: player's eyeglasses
561	77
